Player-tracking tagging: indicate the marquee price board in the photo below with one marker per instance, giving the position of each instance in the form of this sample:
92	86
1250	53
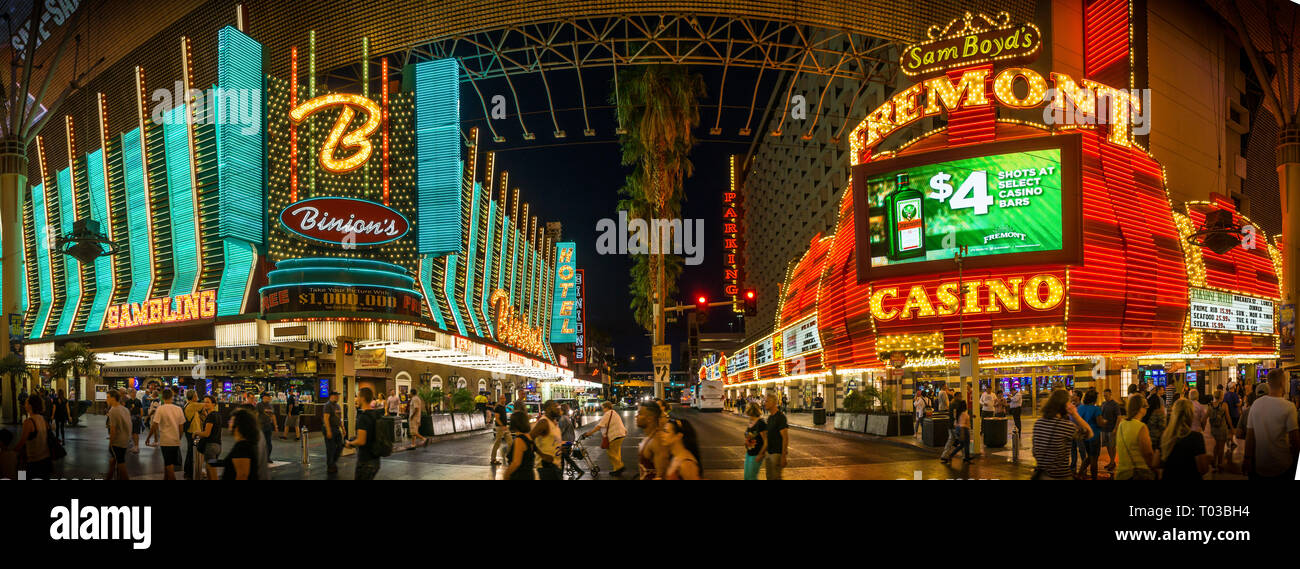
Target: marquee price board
1226	312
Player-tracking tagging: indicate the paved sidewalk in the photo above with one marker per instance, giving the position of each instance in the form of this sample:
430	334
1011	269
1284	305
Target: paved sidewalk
804	421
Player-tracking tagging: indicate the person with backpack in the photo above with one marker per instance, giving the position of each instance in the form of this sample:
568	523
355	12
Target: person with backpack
369	437
266	419
1220	423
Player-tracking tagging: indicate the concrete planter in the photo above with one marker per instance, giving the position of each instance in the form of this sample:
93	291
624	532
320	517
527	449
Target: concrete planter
855	422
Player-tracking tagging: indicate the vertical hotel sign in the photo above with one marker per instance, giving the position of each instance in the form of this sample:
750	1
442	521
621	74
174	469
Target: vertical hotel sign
580	320
731	239
564	316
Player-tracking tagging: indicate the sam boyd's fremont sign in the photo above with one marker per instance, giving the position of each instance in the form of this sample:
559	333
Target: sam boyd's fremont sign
971	45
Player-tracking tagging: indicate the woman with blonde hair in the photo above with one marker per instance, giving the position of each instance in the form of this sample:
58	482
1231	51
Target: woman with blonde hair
1137	460
1183	448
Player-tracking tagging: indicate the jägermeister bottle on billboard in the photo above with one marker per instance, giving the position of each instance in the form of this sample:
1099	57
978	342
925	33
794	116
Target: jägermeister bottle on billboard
906	221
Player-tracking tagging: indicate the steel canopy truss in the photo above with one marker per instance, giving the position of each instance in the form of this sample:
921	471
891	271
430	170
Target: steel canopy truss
582	44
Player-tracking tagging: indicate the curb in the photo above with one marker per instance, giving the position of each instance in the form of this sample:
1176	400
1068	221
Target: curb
854	436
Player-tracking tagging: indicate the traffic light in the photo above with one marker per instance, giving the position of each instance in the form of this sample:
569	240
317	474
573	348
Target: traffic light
751	302
701	305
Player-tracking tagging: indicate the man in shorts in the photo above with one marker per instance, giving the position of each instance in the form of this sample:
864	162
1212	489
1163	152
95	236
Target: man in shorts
119	436
168	424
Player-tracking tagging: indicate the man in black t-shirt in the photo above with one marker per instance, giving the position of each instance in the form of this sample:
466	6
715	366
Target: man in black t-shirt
778	440
501	421
367	463
136	409
332	427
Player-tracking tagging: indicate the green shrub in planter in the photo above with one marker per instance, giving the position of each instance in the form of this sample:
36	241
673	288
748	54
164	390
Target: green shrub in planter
462	401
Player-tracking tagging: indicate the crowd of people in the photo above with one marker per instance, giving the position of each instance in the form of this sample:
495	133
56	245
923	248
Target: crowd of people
1169	434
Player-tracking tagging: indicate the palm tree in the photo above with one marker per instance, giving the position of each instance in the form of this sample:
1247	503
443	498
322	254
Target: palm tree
14	366
73	357
658	108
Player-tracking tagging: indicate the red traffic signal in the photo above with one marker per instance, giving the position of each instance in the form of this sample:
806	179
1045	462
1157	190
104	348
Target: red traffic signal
701	305
751	302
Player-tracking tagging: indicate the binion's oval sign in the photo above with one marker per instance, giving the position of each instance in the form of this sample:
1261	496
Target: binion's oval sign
345	222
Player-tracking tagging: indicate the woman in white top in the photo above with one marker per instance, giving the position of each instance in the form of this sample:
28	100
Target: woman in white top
612	429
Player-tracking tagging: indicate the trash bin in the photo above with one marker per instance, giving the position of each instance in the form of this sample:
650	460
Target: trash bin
995	431
934	431
819	416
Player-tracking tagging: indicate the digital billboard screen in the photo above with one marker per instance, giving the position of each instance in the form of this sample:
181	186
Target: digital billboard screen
994	204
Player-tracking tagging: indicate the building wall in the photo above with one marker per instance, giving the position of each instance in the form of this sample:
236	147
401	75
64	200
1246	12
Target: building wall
1192	69
793	186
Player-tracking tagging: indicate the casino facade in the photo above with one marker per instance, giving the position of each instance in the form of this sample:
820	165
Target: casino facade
1075	267
262	222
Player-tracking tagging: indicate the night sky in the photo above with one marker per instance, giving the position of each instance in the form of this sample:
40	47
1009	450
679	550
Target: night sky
575	181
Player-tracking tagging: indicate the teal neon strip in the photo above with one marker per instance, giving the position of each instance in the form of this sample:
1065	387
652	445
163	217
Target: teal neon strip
71	272
234	279
137	219
340	284
514	265
22	280
438	165
470	260
503	239
242	216
426	282
354	277
43	272
502	280
451	294
487	274
180	197
239	139
103	265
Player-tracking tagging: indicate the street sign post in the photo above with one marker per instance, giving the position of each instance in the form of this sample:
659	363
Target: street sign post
662	356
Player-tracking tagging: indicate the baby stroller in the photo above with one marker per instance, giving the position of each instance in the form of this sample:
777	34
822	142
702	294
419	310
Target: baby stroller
578	452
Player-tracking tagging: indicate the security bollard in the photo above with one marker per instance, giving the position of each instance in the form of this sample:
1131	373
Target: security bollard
304	432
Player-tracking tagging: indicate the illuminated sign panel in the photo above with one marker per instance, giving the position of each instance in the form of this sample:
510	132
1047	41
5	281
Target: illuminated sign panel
339	135
580	339
564	310
731	277
333	298
1014	294
165	310
995	204
971	45
512	329
763	352
992	205
1226	312
346	222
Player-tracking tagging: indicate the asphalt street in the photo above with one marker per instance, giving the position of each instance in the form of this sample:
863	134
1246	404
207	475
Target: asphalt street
813	456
